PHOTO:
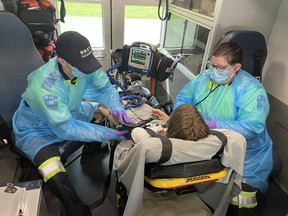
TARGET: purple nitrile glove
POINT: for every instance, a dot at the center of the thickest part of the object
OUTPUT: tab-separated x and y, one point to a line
211	124
122	116
121	133
128	128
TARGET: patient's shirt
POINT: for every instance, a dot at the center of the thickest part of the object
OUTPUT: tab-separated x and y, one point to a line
139	133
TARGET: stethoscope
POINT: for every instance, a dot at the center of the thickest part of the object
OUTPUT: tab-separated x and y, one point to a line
210	91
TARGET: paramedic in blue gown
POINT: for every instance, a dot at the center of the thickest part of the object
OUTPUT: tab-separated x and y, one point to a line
229	97
52	110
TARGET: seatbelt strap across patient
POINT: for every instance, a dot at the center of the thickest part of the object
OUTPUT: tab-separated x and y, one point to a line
223	140
166	146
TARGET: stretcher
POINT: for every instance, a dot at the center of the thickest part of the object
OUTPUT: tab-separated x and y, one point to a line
207	168
204	168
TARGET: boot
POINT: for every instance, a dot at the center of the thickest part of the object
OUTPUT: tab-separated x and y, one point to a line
63	189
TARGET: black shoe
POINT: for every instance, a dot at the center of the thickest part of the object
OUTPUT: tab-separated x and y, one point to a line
89	151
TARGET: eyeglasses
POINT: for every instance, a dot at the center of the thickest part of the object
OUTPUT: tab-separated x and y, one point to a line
210	65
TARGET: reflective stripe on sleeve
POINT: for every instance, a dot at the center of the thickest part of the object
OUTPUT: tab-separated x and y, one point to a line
245	200
51	167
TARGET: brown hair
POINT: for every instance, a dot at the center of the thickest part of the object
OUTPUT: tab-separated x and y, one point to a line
187	123
232	51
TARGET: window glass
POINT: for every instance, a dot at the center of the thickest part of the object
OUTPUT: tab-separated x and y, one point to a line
141	24
205	7
187	38
86	18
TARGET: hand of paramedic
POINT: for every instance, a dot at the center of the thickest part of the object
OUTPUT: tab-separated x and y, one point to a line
122	116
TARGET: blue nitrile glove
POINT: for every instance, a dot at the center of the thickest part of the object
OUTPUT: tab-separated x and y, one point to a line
211	124
122	116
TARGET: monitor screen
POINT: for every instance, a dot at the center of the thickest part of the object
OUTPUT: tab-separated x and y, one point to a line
140	59
139	56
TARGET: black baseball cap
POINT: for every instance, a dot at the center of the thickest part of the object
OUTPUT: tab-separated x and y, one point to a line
76	50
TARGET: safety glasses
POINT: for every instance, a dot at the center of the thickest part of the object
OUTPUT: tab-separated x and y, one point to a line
210	65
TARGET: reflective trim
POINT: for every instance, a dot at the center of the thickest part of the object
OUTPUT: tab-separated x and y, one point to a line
245	200
51	167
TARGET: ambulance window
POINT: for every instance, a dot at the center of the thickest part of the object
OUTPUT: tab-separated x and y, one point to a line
144	26
187	38
205	7
86	18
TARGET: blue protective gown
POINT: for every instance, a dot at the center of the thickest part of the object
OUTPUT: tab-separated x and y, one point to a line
56	111
242	106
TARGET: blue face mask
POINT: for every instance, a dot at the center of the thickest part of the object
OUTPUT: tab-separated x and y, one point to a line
219	77
77	73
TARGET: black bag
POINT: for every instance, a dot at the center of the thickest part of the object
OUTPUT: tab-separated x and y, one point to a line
160	65
40	18
37	17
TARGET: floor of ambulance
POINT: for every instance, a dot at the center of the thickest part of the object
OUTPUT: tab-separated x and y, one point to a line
89	181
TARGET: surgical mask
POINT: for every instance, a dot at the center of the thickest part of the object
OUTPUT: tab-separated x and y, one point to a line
77	73
219	77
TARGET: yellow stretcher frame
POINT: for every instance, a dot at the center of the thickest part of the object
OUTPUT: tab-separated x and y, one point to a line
174	183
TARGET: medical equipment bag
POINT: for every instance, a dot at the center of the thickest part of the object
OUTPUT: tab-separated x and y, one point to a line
40	18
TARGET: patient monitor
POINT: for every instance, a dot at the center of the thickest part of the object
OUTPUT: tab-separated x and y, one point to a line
140	59
144	58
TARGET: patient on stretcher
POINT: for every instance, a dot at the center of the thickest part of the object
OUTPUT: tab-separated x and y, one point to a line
185	123
191	141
